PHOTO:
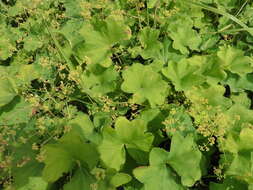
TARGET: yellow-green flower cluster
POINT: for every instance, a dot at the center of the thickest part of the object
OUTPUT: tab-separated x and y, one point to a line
211	121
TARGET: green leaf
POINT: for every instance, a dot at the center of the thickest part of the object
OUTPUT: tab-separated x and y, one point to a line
246	139
185	158
149	41
70	31
240	83
84	125
119	179
209	40
233	59
18	8
35	183
154	90
102	119
26	74
230	144
241	143
7	45
96	47
100	80
184	37
6	49
73	142
209	67
16	112
154	118
241	167
165	54
125	135
57	161
73	8
243	114
7	91
62	156
242	99
32	43
158	157
240	149
80	181
116	31
178	121
25	176
183	75
109	179
20	72
133	133
157	176
140	156
214	72
112	151
98	44
212	94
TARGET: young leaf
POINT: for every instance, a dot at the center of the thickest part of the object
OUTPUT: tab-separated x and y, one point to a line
112	151
210	67
32	42
119	179
234	60
133	133
86	129
157	176
7	91
183	75
149	40
155	89
185	158
109	179
101	81
184	37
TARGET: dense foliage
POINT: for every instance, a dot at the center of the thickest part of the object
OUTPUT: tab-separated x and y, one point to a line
126	94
